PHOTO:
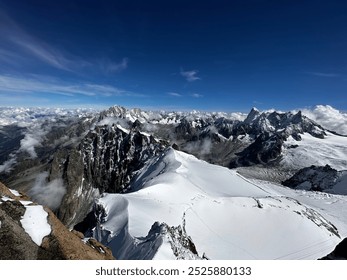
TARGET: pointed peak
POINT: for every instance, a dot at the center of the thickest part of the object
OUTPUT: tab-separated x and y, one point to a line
252	115
254	109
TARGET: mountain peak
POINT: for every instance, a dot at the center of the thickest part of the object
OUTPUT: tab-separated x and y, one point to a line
252	115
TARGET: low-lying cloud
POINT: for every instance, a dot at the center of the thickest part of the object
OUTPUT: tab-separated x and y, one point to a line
7	165
29	143
48	193
328	117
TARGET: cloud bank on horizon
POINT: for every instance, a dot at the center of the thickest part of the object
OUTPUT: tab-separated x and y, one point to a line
328	117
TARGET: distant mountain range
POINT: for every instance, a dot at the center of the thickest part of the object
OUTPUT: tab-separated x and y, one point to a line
154	174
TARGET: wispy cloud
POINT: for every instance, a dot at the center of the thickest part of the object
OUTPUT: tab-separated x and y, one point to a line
17	38
28	47
326	75
174	94
116	67
190	76
56	86
197	95
10	58
45	52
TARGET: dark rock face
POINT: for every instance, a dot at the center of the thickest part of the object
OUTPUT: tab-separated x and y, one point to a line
105	161
79	192
263	150
339	253
269	131
111	156
314	178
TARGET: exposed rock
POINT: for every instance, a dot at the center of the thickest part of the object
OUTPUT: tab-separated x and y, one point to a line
16	243
318	178
265	149
339	253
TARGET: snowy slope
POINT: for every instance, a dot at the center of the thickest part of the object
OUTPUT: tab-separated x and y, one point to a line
310	150
333	206
226	216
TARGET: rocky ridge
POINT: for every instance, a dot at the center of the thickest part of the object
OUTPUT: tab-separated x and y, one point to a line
60	243
318	178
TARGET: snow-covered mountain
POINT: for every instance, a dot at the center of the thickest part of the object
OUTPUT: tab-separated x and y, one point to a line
223	214
69	159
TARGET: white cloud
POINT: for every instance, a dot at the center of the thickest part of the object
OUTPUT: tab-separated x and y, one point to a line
18	38
49	85
48	193
190	76
174	94
28	144
43	52
328	117
19	45
7	165
196	95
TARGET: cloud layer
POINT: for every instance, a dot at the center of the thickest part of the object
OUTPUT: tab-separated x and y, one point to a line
18	45
328	117
42	84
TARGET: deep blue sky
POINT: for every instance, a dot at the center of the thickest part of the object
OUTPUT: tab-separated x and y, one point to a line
206	55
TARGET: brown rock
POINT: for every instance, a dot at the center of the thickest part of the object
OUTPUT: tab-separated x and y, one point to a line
61	243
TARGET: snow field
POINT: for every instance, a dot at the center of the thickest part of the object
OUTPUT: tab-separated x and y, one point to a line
226	216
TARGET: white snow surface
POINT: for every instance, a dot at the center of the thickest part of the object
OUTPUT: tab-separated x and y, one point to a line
35	223
227	216
331	150
334	207
14	192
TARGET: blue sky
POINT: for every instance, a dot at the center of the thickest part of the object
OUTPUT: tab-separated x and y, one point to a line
205	55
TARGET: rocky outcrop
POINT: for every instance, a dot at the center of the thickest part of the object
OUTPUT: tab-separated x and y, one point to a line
318	178
270	131
265	149
339	253
111	156
60	243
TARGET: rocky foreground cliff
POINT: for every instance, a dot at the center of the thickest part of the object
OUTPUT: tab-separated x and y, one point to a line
30	231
